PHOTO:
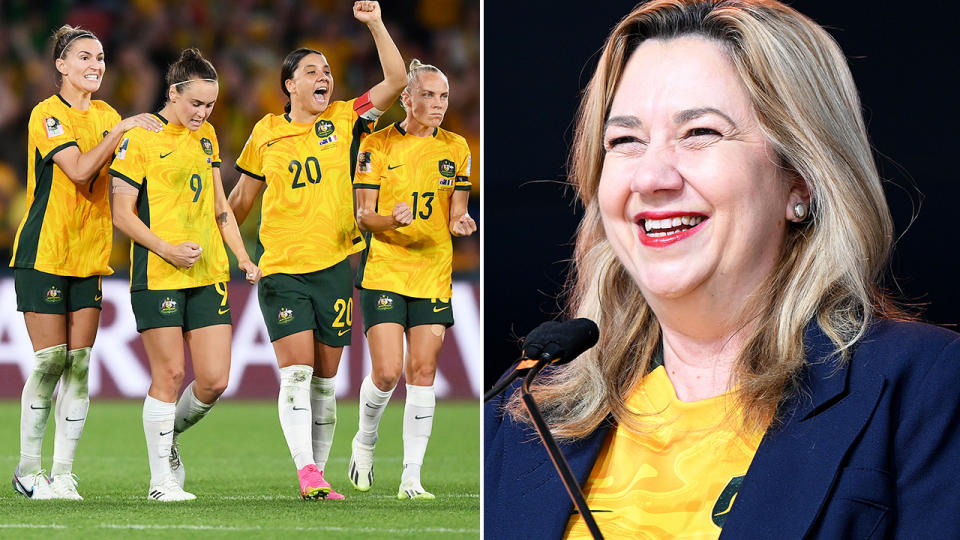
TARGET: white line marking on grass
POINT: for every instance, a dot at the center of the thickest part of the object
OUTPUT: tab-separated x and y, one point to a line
274	528
276	497
30	526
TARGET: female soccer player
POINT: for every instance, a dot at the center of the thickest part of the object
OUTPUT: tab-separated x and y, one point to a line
307	229
169	199
62	249
417	176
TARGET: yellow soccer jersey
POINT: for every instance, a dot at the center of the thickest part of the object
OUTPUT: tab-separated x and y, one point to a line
173	170
307	221
678	480
416	260
67	229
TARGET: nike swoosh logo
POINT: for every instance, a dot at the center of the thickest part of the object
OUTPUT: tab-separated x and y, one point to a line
68	419
342	332
222	311
38	408
23	488
271	143
97	298
373	406
392	167
435	310
324	423
301	409
165	155
163	434
422	417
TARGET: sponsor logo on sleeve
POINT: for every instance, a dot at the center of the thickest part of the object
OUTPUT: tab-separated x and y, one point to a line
364	162
54	127
122	151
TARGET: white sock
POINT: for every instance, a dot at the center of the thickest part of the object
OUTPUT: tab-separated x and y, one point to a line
73	401
323	404
417	425
295	417
372	403
158	418
35	404
190	410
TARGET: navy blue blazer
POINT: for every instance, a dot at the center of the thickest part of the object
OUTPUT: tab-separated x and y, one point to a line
868	450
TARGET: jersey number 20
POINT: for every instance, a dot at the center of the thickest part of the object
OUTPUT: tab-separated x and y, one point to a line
313	173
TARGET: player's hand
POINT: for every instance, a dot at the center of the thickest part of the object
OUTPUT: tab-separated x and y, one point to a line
251	271
144	120
183	255
402	216
366	12
465	226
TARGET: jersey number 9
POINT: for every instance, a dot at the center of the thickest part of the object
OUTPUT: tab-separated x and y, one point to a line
196	184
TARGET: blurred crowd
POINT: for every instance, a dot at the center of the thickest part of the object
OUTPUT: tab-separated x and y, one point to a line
246	40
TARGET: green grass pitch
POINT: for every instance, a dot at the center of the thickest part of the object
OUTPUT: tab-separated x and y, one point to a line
239	468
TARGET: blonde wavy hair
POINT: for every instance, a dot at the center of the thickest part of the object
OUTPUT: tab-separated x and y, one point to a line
829	267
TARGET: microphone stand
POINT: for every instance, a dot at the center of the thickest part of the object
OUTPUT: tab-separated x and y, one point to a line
559	462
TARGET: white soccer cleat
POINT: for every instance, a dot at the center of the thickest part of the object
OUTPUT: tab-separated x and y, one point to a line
168	490
34	486
176	465
361	465
65	486
413	490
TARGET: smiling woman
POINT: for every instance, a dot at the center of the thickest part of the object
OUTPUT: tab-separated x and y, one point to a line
751	378
61	252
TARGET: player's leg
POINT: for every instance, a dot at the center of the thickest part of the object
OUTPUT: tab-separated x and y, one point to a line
331	292
424	348
323	405
384	316
73	400
160	316
40	298
164	348
288	314
207	331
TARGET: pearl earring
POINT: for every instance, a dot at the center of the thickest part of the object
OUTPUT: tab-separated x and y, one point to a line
800	211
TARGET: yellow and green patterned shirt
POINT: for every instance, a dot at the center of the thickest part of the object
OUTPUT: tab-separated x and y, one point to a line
307	220
173	170
415	260
67	229
680	478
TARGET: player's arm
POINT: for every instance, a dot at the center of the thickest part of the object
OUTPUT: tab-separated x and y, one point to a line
229	230
243	194
370	221
81	167
384	93
461	224
125	219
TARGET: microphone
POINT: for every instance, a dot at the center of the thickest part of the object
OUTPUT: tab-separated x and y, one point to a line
552	342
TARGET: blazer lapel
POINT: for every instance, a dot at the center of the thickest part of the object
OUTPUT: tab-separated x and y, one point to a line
796	464
543	501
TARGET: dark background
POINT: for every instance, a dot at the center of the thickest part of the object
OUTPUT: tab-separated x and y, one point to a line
539	57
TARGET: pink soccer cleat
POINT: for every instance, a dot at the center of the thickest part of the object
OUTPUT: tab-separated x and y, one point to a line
312	484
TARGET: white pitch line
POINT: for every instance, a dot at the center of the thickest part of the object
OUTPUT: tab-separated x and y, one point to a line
29	526
274	497
330	529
